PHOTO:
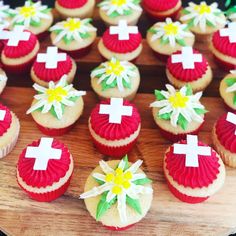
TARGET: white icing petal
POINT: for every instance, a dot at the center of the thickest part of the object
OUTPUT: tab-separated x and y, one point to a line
96	191
135	166
105	167
99	176
121	205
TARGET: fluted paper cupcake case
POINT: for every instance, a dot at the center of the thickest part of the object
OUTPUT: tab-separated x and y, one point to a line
76	54
117	228
224	65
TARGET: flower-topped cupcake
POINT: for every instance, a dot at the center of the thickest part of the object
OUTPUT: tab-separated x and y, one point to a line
118	193
57	108
112	11
71	8
115	78
123	42
5	11
178	112
188	66
203	19
34	16
231	13
167	37
51	66
74	36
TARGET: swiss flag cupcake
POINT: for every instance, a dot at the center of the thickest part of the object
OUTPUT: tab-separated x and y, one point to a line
193	170
122	42
114	126
44	169
51	66
20	50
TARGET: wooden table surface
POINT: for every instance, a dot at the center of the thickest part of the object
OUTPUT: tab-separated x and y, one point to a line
22	216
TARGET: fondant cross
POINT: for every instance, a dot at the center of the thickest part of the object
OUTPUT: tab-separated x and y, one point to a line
191	150
2	115
123	30
43	153
231	117
187	58
15	36
51	58
115	110
229	32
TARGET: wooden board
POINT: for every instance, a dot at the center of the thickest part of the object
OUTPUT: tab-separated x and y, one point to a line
20	215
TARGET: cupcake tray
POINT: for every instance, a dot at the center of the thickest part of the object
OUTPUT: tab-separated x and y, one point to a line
20	215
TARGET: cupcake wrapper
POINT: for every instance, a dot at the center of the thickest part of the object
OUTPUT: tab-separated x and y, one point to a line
185	198
76	54
117	228
228	108
1	46
161	57
42	35
132	61
224	65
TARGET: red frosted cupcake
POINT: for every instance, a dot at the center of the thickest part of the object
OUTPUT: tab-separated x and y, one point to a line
188	67
161	9
19	51
51	66
123	42
223	46
193	170
114	125
44	169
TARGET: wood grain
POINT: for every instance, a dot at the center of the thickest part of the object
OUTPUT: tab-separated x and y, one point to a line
20	215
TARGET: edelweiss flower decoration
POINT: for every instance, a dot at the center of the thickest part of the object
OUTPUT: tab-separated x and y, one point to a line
30	14
55	98
180	107
72	29
114	73
170	32
122	185
202	15
116	8
4	10
231	83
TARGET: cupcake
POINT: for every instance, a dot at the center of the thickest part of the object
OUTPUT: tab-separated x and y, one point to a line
193	170
56	109
114	126
202	19
5	11
36	17
118	194
51	66
188	66
167	37
228	90
19	51
223	47
71	8
3	80
122	41
44	169
115	78
112	11
223	136
161	9
178	112
74	36
3	25
9	130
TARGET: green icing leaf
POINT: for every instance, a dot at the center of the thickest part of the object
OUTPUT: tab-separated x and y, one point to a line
134	203
181	42
142	181
210	24
35	24
67	41
191	23
127	12
46	10
234	99
159	95
227	3
200	111
185	11
125	159
230	81
99	181
165	116
189	90
136	2
152	30
164	41
57	31
231	11
114	14
85	35
182	122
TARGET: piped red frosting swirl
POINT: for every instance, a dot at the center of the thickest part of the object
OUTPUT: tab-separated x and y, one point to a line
160	5
72	3
187	75
56	169
223	45
63	68
101	126
23	48
112	42
193	177
225	132
6	122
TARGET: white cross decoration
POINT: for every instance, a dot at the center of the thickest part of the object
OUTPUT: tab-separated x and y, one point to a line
229	32
51	58
187	58
43	153
191	150
231	117
15	36
2	115
116	110
123	30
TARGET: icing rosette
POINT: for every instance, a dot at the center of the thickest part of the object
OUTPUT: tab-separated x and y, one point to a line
161	5
71	4
5	119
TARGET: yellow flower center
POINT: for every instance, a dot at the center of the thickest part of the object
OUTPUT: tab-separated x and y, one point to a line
27	11
114	68
202	9
118	3
171	29
56	94
178	100
72	25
